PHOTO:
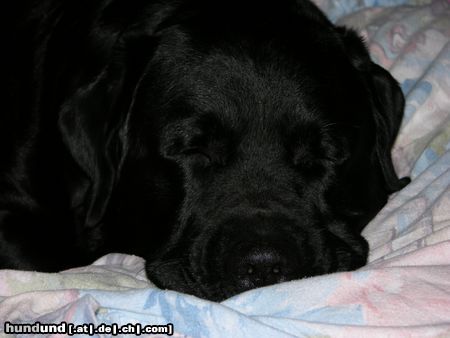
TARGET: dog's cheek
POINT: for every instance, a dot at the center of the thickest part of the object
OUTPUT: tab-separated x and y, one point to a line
168	276
351	255
338	250
357	196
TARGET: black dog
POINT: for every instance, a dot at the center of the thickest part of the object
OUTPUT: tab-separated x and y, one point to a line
233	144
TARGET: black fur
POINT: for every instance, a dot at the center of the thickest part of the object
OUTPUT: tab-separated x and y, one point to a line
232	144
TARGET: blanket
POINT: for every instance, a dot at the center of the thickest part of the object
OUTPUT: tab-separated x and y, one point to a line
404	291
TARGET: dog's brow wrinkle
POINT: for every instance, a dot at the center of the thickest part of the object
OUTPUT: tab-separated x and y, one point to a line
328	125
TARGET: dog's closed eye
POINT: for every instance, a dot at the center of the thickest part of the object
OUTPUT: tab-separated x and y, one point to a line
199	154
192	141
311	149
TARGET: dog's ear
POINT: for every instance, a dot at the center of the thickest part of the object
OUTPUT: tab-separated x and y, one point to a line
388	110
93	122
388	105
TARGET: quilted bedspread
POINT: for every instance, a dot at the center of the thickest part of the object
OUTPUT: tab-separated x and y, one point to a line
403	292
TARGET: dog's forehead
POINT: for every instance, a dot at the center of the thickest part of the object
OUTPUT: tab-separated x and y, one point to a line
271	89
269	80
239	85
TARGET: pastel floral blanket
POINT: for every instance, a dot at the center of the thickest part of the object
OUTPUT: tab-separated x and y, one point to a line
403	292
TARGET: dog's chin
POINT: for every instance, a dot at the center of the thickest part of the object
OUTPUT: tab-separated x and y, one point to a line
177	276
209	279
215	285
179	279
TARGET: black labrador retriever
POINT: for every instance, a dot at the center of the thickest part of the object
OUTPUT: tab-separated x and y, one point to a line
231	143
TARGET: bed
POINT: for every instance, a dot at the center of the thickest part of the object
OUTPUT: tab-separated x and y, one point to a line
404	291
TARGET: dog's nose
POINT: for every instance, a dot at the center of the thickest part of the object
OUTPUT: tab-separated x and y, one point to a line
257	266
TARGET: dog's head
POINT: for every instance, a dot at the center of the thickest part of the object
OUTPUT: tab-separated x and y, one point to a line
252	144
